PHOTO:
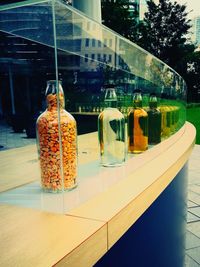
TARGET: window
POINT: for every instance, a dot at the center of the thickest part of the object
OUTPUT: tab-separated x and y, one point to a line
86	57
99	43
105	42
99	57
93	42
110	42
93	56
104	57
87	41
76	61
110	58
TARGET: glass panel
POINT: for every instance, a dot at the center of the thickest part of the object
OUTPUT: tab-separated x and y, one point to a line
48	40
90	60
27	58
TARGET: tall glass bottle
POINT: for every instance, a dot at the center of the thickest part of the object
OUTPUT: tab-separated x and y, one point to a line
111	132
154	121
57	150
137	126
166	121
172	114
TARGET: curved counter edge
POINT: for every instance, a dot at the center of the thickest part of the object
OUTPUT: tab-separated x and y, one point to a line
85	234
124	203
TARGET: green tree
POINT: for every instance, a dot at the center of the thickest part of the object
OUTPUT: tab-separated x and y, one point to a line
164	31
163	34
192	76
116	16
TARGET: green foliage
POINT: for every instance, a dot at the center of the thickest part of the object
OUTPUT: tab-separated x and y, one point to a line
162	33
193	76
116	16
165	29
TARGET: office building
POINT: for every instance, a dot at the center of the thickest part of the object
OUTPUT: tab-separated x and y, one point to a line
196	30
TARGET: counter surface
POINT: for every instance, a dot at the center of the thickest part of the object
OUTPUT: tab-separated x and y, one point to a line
84	233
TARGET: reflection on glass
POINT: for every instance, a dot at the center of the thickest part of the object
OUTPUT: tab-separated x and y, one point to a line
50	156
88	56
111	131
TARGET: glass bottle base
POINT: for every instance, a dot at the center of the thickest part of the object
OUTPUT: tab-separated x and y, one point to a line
112	164
55	191
137	151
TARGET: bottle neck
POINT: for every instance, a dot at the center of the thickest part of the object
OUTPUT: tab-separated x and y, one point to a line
137	100
137	104
111	104
53	100
153	103
52	103
110	98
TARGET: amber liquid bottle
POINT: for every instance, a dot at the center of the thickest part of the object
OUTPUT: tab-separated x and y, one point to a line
166	121
137	126
154	121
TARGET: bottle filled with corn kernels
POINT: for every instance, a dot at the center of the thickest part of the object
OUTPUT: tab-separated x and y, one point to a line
154	121
57	151
137	126
111	132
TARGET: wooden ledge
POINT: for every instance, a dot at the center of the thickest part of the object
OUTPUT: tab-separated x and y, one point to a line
34	238
122	204
84	234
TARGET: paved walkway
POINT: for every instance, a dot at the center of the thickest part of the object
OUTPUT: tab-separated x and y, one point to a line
193	220
9	140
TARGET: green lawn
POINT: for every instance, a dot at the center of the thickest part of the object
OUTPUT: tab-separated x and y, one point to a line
193	116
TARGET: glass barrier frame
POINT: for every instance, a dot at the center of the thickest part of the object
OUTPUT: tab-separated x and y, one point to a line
88	57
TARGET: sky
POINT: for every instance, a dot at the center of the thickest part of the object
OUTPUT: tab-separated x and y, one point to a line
191	5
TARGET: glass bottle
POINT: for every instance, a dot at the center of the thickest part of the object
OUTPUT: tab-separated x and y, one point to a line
111	132
166	121
57	175
176	110
172	114
154	121
137	126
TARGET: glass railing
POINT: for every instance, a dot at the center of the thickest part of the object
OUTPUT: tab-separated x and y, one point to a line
48	40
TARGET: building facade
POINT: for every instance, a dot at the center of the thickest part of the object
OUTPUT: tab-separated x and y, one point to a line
196	30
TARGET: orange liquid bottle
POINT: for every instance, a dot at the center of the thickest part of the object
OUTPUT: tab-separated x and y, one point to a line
137	126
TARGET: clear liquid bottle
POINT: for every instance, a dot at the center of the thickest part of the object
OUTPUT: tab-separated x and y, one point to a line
154	121
137	126
111	132
58	166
